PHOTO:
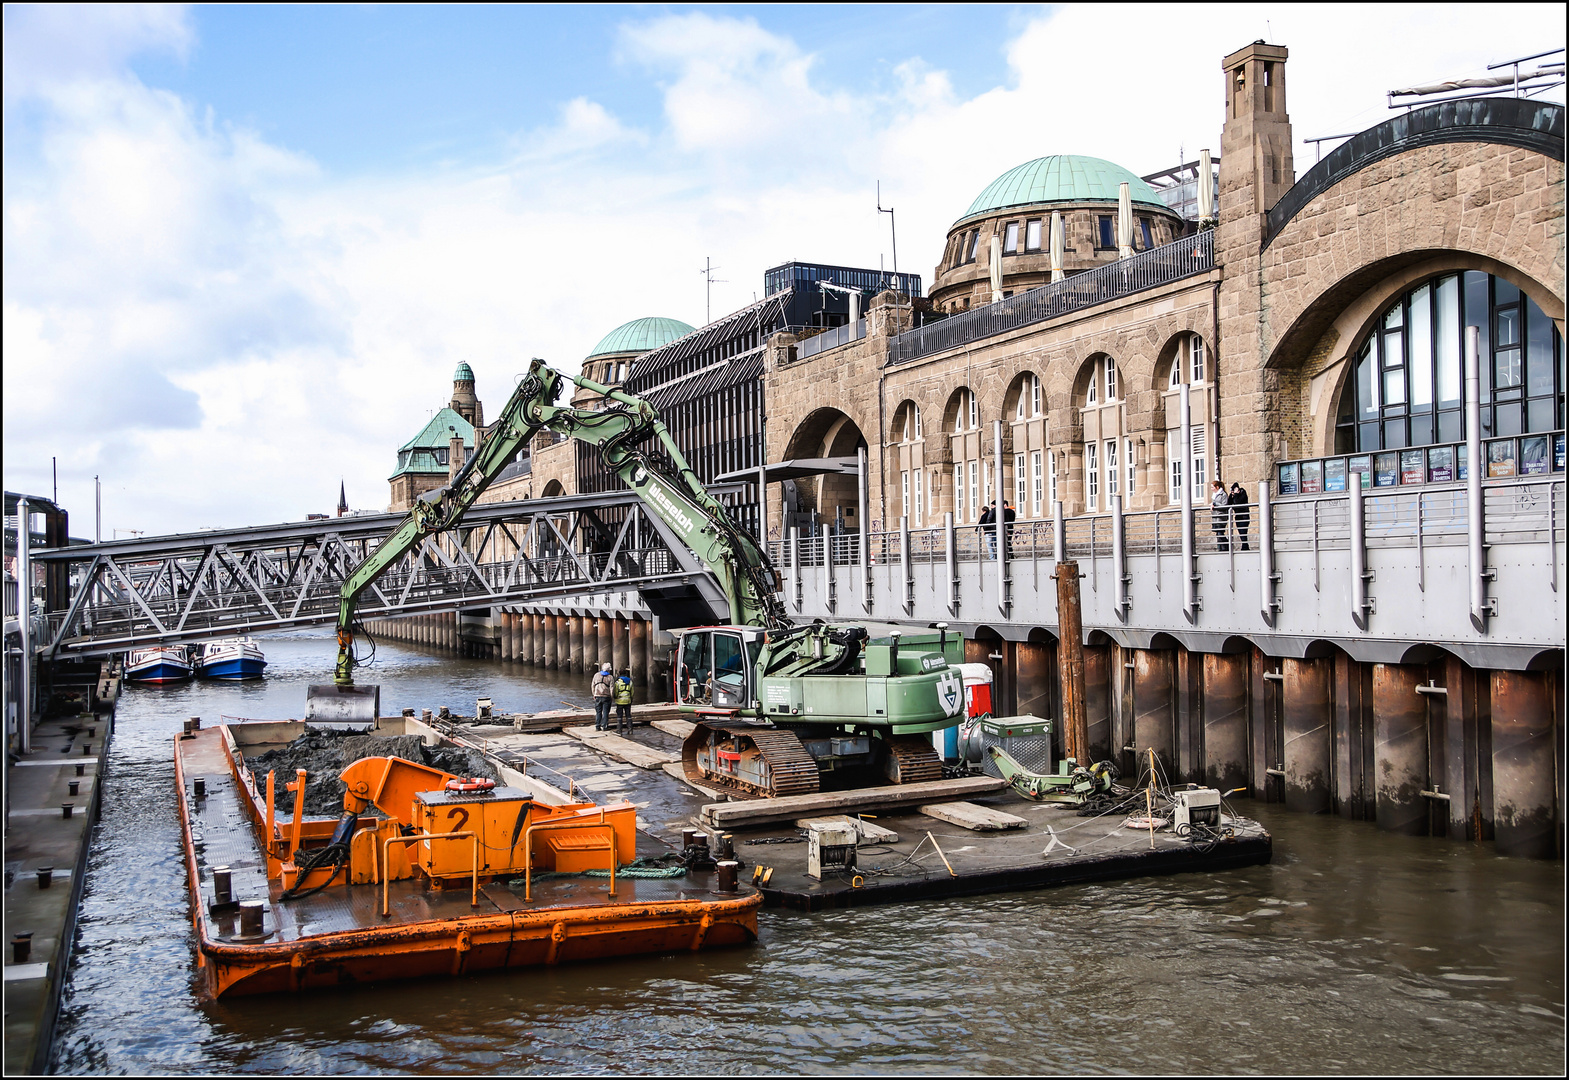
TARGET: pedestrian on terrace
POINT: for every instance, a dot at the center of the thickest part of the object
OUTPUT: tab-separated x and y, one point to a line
1240	514
1221	516
623	699
601	688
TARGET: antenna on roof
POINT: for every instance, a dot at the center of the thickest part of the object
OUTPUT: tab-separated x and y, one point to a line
708	275
892	230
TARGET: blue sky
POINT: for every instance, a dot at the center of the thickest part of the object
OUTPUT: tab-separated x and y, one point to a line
245	247
371	87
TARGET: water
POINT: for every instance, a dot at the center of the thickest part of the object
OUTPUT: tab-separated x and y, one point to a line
1353	952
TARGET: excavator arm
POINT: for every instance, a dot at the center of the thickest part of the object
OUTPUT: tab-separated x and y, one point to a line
695	517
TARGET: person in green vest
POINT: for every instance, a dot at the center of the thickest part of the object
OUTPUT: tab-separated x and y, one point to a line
622	695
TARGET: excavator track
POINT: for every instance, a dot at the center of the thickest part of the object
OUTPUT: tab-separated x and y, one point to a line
748	762
912	760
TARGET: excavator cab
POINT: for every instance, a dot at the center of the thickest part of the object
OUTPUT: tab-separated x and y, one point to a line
716	664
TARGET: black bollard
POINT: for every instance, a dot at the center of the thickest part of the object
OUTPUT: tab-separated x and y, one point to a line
726	846
81	770
201	787
222	885
250	917
74	786
21	947
45	876
727	875
65	810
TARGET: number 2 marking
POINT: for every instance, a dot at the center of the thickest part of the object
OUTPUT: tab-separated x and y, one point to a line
462	816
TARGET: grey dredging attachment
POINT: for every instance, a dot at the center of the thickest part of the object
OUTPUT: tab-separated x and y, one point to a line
347	707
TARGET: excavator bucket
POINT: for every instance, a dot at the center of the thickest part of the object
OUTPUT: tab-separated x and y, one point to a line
352	707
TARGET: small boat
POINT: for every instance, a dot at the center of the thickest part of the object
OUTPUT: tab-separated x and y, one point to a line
231	658
424	875
159	664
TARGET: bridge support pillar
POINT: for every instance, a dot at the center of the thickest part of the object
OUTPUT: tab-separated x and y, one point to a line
1225	720
1400	748
1035	664
509	637
1097	701
1305	710
637	638
525	638
576	626
607	643
552	641
1188	683
1152	719
1524	764
618	645
1353	739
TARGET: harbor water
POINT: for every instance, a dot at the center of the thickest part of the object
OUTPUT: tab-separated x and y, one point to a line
1354	951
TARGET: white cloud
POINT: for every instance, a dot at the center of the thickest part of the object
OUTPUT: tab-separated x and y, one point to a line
223	329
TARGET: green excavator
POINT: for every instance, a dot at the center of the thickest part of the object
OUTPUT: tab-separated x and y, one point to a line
776	707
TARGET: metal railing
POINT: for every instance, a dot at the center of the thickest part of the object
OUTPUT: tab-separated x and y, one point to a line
831	339
1146	270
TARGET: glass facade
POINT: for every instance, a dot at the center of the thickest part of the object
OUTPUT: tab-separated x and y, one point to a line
1406	387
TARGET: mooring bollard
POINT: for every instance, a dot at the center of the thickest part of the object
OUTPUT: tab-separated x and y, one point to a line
196	723
45	876
201	787
727	875
74	786
81	770
186	728
688	838
87	748
222	885
727	846
65	810
250	917
21	947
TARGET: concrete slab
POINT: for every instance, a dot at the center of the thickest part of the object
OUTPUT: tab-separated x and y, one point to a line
37	835
621	749
968	815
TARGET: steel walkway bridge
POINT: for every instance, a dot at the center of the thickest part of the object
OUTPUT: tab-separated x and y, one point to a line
221	582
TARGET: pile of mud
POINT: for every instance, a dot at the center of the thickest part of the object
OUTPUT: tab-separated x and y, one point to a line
325	754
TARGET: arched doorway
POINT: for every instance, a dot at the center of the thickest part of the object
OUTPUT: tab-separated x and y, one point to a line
830	499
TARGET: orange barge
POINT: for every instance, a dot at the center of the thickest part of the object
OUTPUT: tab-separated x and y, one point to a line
441	882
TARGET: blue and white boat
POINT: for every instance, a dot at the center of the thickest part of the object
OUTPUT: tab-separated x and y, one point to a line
231	658
158	664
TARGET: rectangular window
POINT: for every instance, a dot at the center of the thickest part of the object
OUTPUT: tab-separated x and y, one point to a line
1174	457
1032	235
904	478
917	411
975	412
1106	240
958	491
975	243
920	507
1127	446
1037	483
1093	395
1091	477
1196	348
1020	482
1111	379
975	490
1112	476
1010	239
1421	350
1035	395
1051	475
1144	227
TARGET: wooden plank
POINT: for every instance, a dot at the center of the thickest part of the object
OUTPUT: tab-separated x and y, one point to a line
870	832
644	757
674	769
679	728
757	812
969	815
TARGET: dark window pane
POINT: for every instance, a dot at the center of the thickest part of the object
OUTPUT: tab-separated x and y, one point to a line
1506	419
1506	369
1345	439
1144	225
1540	414
1507	326
1476	314
1394	434
1367	437
1421	429
1503	292
1106	240
1451	426
1540	356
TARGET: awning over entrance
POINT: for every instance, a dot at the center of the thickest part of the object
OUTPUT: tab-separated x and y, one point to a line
793	470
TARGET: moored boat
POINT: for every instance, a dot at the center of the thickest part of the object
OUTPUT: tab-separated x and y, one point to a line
158	664
424	875
231	658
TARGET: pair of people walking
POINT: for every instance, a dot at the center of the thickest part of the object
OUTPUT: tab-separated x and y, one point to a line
607	691
989	520
1228	508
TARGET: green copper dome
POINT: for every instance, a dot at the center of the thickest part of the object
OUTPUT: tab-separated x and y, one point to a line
1060	178
464	372
640	336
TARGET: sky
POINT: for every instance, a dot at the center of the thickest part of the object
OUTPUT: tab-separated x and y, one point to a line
245	247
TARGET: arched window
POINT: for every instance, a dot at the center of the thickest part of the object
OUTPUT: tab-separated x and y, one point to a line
1190	365
1406	386
1029	403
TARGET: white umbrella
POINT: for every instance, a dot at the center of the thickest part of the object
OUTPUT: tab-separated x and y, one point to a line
1056	246
996	268
1124	222
1206	188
